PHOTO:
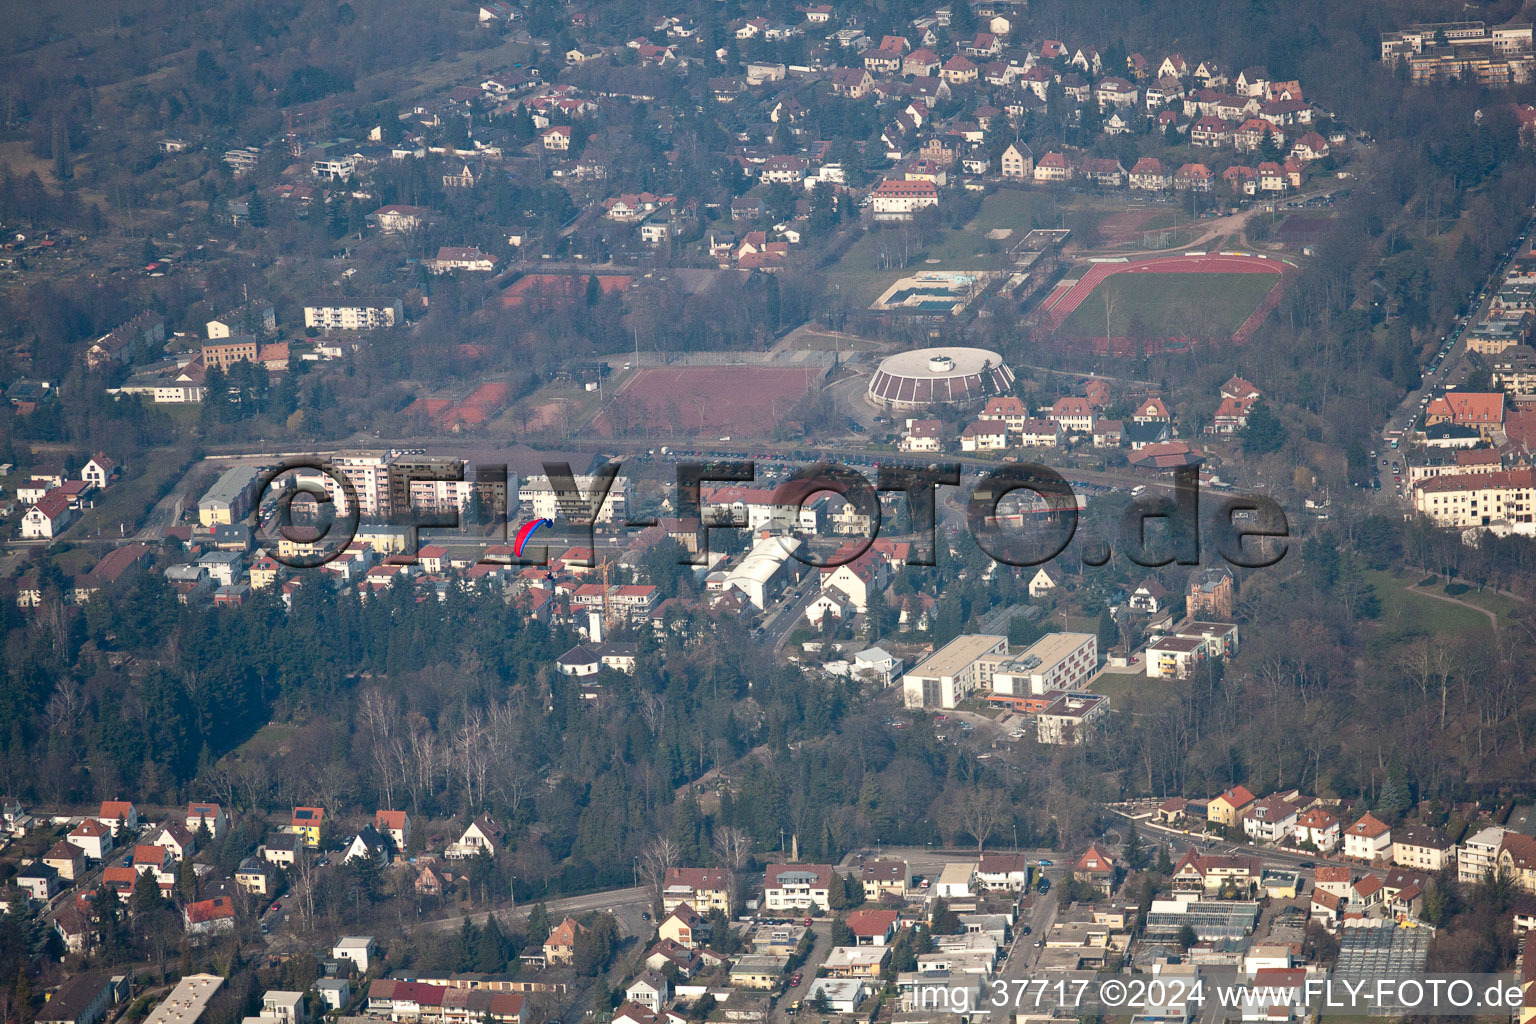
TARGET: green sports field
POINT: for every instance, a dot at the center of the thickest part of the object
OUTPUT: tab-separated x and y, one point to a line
1169	305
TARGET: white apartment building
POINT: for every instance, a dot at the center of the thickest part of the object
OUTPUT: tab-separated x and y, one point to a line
797	887
353	314
1462	501
1478	855
897	200
1420	847
368	472
953	672
1057	661
1072	718
546	503
338	169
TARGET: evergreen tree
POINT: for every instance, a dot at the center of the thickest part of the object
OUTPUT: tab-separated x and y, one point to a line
257	205
468	952
145	899
1109	632
1264	433
1164	864
538	925
21	997
492	954
943	921
1135	853
110	934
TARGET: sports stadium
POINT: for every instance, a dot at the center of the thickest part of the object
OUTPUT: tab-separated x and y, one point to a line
925	377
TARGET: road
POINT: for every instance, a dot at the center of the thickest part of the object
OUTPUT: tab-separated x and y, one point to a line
789	610
1448	368
613	899
1181	841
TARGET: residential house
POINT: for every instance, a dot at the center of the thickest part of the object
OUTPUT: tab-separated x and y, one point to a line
1369	839
92	837
1211	873
306	823
1017	163
211	816
872	927
1421	847
797	886
281	848
1095	868
1073	414
1149	597
481	835
984	436
204	918
650	990
923	436
1211	594
1227	807
703	889
67	859
684	926
1052	168
1270	820
1009	871
394	824
560	947
51	516
118	815
1148	175
99	471
1193	178
885	878
361	950
1045	580
1319	828
369	844
254	877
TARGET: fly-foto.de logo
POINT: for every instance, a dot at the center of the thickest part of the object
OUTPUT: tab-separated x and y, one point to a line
1037	524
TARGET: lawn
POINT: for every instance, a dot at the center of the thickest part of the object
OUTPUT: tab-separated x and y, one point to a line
123	505
1497	603
871	264
1407	611
1169	305
1125	690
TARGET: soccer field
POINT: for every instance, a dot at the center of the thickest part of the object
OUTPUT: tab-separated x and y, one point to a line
1168	305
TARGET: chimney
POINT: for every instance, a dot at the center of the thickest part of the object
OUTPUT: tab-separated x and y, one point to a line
595	627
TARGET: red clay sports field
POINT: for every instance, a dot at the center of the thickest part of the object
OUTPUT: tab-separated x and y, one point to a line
701	400
1064	300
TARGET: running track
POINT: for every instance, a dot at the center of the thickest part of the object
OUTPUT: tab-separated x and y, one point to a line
1068	299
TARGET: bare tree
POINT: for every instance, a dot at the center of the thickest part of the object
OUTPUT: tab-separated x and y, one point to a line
304	878
732	847
979	813
655	861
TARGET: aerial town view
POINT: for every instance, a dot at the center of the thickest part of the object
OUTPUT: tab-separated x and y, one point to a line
767	512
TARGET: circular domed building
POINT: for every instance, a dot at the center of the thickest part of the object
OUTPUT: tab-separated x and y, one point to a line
938	376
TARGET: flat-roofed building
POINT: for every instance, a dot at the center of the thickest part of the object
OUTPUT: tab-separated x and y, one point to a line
228	500
187	1001
353	314
952	673
1072	718
1174	657
1057	661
